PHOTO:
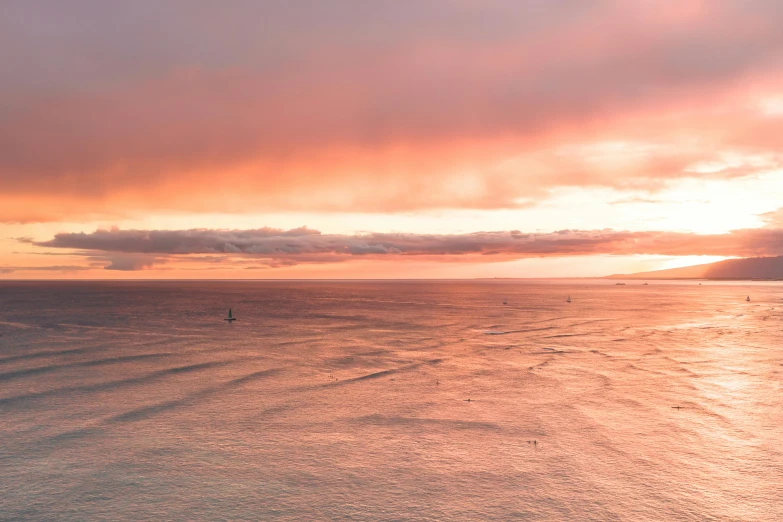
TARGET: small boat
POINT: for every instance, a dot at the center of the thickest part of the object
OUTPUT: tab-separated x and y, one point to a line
644	284
747	299
505	301
620	284
569	299
230	316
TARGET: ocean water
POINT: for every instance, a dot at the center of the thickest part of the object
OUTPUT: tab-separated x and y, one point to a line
348	401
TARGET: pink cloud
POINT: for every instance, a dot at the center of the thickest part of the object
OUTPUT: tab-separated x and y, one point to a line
402	106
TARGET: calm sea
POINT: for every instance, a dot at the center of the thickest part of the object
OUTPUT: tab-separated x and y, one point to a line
349	401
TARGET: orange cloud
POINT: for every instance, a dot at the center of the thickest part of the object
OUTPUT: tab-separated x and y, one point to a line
408	105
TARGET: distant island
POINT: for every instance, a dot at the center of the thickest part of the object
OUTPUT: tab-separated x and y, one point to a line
766	268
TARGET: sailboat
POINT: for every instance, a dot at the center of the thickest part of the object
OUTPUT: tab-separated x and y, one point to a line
747	299
569	299
230	317
505	301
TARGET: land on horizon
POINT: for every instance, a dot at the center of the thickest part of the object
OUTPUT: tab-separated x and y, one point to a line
755	268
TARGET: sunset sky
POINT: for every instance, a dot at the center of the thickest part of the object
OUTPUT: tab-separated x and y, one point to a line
387	139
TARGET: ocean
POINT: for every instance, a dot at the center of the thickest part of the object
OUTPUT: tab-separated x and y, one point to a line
403	400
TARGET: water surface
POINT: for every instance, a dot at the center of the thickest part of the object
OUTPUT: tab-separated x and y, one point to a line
348	401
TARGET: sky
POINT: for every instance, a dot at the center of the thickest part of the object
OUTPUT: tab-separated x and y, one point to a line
385	139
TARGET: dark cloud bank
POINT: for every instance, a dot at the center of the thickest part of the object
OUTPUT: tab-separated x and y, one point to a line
138	249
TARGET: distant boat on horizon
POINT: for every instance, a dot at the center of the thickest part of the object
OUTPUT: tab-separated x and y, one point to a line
747	299
230	316
505	301
620	284
569	299
644	283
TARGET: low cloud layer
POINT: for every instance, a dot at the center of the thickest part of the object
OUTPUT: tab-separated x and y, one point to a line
267	247
50	268
384	106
